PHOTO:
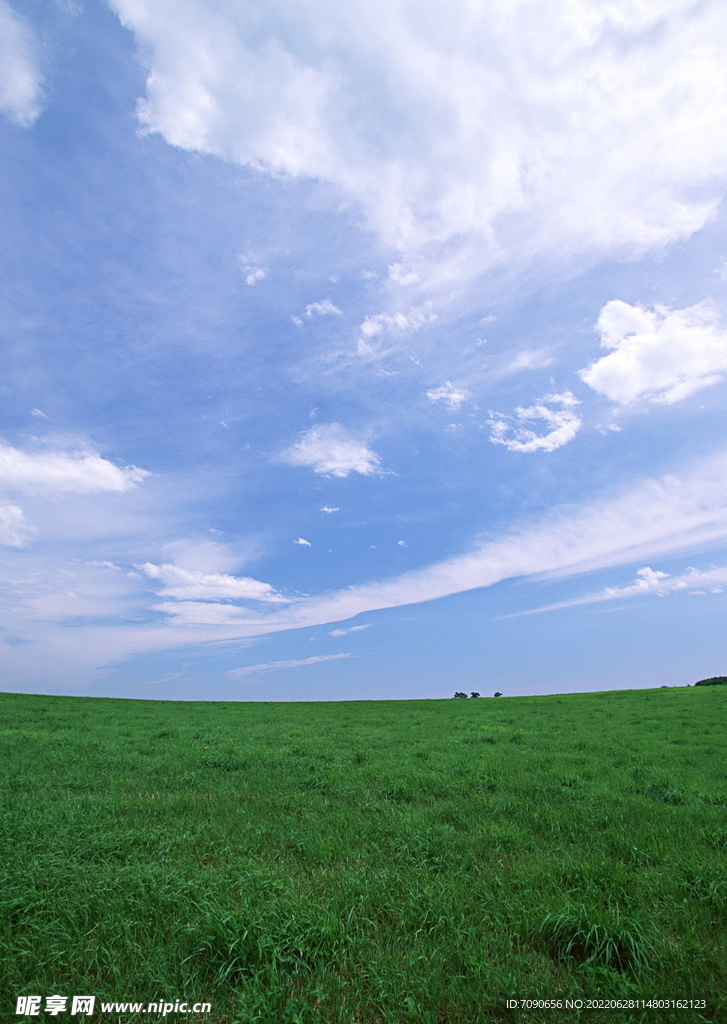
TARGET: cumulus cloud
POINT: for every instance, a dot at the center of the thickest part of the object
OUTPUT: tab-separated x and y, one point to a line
449	395
21	91
14	531
51	472
324	308
250	670
330	451
575	126
303	542
193	584
660	355
564	424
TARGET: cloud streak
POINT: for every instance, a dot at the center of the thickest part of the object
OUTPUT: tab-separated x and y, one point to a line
648	520
21	84
251	670
193	584
648	582
653	518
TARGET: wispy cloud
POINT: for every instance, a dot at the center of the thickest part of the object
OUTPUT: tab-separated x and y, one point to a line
253	275
660	355
303	542
649	520
528	359
21	84
251	670
563	421
14	531
195	585
329	450
654	518
376	326
351	629
648	581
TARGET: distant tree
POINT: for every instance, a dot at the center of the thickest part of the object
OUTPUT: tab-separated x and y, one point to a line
474	694
498	695
713	681
458	694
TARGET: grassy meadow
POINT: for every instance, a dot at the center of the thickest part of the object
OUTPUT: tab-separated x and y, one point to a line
417	862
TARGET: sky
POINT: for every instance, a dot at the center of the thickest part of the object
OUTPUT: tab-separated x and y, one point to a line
363	351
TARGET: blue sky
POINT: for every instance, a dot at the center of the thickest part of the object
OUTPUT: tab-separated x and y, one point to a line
362	351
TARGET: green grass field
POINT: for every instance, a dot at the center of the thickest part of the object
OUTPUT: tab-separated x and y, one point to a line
418	862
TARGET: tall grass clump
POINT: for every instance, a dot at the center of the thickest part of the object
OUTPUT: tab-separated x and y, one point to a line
593	935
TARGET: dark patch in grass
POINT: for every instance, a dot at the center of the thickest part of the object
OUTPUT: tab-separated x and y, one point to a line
667	793
230	764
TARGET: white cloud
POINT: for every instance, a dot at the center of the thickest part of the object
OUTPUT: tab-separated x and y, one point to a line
50	472
656	517
379	324
563	422
400	273
198	615
648	581
39	414
330	451
576	126
451	396
660	355
21	91
303	542
324	308
252	274
193	584
351	629
205	555
14	531
250	670
329	510
649	520
529	359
